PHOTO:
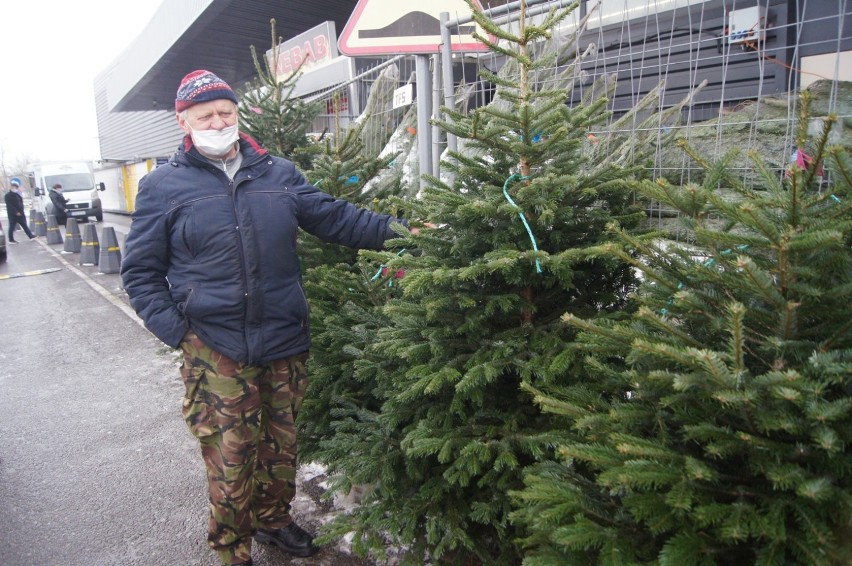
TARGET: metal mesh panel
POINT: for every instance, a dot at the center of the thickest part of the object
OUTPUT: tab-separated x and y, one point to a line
671	69
676	69
367	95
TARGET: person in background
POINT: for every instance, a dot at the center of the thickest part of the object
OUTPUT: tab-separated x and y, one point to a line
211	267
15	210
60	204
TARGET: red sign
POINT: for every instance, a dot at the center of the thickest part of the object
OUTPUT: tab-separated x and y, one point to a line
304	51
337	105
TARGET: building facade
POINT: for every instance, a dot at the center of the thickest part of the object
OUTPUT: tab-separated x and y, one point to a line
740	49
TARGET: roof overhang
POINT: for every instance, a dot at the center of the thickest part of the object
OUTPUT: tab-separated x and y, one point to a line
217	35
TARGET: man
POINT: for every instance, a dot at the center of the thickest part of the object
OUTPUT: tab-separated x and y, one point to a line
211	267
60	204
15	210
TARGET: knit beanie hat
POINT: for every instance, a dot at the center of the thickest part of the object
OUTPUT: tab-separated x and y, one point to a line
202	86
15	182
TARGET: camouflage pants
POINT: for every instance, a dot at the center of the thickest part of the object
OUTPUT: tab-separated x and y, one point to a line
244	418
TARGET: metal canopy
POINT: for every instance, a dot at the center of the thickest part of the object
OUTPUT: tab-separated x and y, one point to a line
220	39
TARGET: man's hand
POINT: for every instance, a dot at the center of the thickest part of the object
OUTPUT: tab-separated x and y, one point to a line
415	230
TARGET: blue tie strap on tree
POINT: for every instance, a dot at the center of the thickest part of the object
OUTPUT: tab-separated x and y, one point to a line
534	139
740	248
383	269
352	180
665	311
521	214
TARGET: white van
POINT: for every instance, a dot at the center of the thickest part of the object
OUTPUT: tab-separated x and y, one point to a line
78	187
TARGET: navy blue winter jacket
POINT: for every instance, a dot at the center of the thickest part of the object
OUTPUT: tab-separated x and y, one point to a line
219	256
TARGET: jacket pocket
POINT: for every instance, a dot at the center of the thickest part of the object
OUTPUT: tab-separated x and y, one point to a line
184	236
183	306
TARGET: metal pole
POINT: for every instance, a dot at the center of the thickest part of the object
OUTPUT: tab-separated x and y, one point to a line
437	146
354	95
424	111
447	70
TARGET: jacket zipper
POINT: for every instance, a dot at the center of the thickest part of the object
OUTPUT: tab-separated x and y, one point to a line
233	186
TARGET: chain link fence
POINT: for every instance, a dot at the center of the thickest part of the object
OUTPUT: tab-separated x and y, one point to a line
716	74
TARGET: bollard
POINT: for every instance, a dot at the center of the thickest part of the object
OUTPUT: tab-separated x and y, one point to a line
73	241
53	234
90	248
32	217
110	260
39	225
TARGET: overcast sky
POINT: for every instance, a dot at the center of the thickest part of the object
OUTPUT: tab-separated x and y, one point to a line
51	51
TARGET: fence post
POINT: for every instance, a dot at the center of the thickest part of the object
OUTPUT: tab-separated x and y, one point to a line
424	111
447	70
437	146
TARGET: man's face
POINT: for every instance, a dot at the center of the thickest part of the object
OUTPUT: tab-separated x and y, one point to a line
212	115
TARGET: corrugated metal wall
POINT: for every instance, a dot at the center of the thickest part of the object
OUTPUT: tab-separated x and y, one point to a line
131	136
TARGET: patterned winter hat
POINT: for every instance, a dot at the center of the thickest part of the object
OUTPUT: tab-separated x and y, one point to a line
202	86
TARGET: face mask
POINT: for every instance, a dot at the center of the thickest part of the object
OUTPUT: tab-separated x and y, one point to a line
215	143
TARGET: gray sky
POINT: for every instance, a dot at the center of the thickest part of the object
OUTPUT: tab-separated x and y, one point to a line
51	51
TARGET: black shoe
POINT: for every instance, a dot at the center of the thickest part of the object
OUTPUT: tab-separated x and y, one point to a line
291	539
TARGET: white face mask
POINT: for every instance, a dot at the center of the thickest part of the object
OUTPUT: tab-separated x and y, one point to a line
215	143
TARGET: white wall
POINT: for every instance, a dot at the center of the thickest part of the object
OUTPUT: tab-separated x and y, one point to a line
113	197
836	66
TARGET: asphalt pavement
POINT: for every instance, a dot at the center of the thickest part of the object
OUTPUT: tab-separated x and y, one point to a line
96	464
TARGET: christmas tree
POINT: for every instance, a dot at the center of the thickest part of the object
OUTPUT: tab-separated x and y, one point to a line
342	169
271	115
716	429
343	295
476	312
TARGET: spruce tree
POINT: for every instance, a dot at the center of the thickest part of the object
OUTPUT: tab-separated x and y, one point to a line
342	169
342	294
477	313
272	115
717	426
